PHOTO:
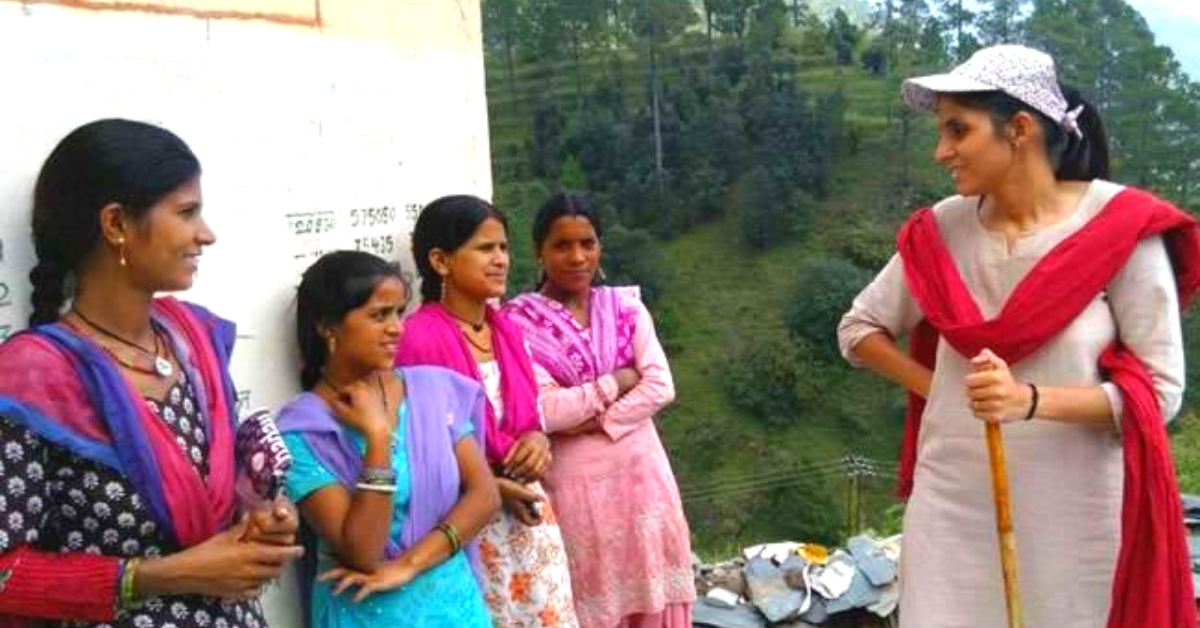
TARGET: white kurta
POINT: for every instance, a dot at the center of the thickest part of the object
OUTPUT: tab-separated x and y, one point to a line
1065	481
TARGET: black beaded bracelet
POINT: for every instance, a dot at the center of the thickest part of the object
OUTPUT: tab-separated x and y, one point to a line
1034	402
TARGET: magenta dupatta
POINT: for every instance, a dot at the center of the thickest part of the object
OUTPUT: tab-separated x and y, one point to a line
433	338
558	341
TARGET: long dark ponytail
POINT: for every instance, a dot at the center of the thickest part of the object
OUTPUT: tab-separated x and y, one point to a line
1073	158
1083	158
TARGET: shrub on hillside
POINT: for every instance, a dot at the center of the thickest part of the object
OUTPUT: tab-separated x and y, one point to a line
631	257
1191	352
762	206
825	288
864	243
761	380
519	200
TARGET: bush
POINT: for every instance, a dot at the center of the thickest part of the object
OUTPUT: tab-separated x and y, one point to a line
519	201
1191	352
631	257
546	145
864	243
1185	449
762	205
825	288
761	380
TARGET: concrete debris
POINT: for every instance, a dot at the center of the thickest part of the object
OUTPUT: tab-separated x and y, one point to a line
722	598
769	591
802	585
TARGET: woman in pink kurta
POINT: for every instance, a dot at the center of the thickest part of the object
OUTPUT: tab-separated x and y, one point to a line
602	376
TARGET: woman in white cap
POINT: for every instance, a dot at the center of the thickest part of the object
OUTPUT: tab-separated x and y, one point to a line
1046	298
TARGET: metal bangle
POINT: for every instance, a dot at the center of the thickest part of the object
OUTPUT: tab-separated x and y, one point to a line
377	475
376	488
451	536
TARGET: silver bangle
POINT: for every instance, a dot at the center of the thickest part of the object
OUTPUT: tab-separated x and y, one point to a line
377	475
376	488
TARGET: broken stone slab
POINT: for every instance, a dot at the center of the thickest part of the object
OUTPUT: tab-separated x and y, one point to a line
834	591
872	560
889	599
740	616
722	598
776	552
727	576
769	591
834	580
794	572
796	623
861	594
817	611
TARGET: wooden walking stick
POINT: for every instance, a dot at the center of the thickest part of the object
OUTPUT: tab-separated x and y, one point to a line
1004	526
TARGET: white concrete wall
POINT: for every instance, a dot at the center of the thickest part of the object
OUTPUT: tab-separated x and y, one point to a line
319	125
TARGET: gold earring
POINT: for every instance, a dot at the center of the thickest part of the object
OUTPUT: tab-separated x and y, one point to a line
445	285
600	273
121	251
332	345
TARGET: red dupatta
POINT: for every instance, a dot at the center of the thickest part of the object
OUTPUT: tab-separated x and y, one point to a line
1152	587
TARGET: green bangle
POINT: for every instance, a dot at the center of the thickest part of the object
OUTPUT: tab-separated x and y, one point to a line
451	536
126	598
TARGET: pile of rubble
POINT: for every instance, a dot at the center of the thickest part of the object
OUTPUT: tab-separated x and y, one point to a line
802	585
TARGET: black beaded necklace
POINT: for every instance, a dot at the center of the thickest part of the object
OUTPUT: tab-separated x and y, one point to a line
162	366
477	327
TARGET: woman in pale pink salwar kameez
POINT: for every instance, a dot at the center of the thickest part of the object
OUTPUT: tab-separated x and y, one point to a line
602	376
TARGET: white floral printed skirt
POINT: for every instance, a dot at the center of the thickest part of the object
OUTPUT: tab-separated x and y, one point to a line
528	583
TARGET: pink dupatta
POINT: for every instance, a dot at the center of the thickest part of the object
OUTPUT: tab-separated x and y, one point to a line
433	338
559	344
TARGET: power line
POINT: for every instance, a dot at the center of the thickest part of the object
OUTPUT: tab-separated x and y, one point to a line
857	469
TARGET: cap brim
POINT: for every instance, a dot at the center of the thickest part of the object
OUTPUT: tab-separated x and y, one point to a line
921	92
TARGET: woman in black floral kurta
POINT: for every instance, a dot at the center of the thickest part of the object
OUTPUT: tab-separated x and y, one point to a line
56	501
116	417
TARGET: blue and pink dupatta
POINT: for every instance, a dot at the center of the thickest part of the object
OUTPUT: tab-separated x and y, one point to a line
62	386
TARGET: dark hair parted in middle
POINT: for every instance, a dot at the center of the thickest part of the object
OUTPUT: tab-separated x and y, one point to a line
447	224
331	288
1073	158
560	205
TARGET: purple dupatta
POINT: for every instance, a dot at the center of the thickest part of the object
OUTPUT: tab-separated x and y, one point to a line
439	402
559	344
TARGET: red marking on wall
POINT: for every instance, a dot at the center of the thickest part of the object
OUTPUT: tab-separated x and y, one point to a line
312	20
